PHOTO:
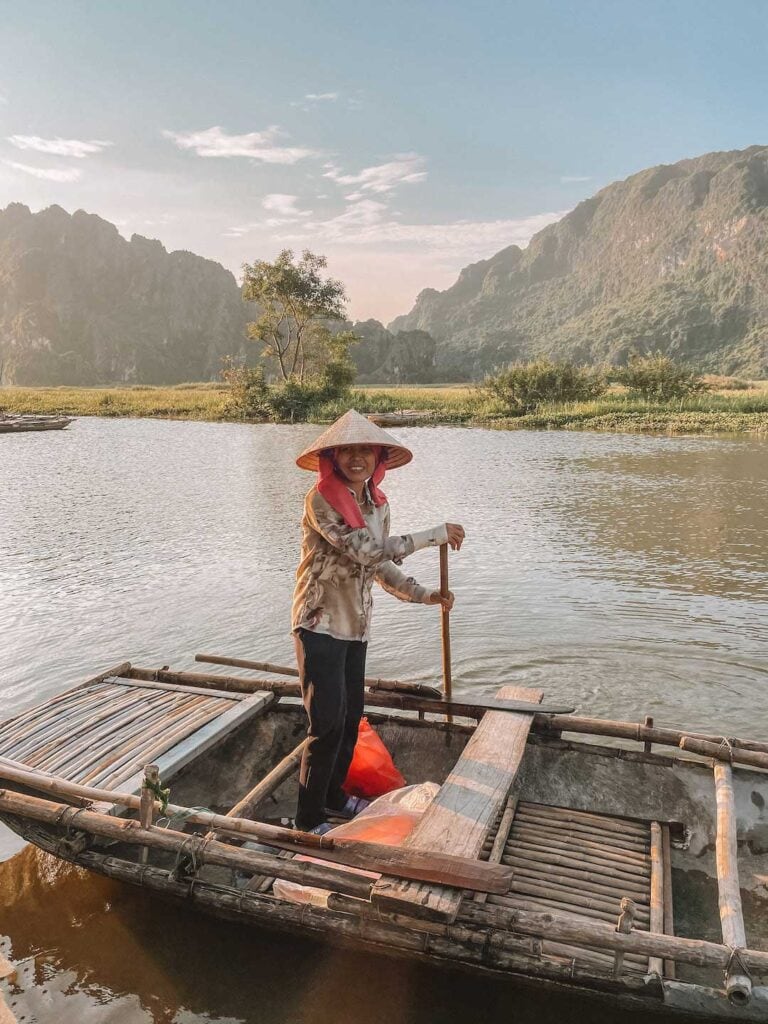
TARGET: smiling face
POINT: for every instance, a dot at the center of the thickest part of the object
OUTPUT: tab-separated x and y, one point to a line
356	463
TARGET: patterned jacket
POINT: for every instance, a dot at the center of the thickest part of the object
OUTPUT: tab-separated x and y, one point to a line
339	564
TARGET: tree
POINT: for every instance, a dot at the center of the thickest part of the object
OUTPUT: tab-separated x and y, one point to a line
295	304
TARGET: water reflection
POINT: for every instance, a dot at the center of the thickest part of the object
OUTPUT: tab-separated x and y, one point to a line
624	574
91	951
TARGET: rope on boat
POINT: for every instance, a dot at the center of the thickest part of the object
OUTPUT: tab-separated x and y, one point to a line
725	750
180	817
66	817
737	960
190	856
161	794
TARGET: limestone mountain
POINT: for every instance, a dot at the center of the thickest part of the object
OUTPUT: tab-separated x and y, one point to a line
81	305
381	357
673	258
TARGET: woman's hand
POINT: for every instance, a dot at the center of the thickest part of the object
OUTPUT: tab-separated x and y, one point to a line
437	598
455	535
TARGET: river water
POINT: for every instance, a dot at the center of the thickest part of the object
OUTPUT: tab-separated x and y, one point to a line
625	574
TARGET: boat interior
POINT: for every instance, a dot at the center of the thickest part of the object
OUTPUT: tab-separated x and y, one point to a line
583	824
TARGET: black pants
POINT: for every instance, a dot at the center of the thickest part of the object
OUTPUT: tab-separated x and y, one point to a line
332	683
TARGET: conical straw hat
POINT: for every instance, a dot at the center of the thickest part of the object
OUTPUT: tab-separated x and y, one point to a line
352	428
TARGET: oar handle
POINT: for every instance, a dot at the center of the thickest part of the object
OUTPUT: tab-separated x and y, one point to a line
445	616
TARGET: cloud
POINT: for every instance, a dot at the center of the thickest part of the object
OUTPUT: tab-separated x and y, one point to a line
47	173
59	147
285	208
311	99
368	222
261	146
279	202
567	179
404	169
3	99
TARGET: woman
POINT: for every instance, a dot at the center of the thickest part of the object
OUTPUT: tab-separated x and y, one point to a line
345	547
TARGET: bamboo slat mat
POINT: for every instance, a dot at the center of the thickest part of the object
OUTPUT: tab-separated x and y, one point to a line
102	734
579	865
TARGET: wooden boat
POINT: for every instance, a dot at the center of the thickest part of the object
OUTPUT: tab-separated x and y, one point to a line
12	424
548	859
404	418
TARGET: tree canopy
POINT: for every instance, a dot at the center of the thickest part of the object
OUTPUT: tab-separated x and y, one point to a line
295	305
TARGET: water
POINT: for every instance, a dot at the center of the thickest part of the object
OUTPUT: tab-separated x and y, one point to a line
624	574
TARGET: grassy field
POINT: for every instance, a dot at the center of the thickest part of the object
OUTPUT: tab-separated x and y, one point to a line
722	410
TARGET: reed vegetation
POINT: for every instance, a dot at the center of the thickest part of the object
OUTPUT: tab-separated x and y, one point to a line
724	410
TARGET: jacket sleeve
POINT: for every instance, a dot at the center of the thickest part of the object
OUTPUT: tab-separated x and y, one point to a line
403	587
359	544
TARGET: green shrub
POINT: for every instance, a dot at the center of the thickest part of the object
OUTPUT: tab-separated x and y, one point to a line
658	378
248	396
289	401
522	387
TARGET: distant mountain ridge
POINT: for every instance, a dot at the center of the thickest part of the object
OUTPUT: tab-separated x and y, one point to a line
673	258
81	305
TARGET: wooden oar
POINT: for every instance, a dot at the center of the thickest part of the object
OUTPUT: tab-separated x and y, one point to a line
446	626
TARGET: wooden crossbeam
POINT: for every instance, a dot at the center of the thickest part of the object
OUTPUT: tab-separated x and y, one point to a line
466	807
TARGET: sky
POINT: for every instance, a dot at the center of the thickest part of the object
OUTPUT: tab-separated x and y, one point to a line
402	140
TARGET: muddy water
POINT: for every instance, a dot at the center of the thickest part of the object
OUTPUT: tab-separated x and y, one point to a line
625	574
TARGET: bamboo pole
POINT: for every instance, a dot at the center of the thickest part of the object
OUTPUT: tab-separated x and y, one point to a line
624	826
724	751
547	925
568	895
543	855
738	984
622	841
283	770
446	626
147	803
648	723
655	964
627	862
669	922
499	841
580	840
130	831
623	927
574	877
642	733
543	903
211	681
286	688
44	741
397	685
401	862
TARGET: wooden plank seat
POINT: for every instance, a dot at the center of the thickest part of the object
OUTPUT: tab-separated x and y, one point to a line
102	734
466	808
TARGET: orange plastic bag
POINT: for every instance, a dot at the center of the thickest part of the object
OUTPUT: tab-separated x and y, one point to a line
372	771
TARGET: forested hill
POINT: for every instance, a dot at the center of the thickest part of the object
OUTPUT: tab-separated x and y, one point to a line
81	305
674	258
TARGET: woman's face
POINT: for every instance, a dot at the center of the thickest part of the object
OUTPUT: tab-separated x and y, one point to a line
356	462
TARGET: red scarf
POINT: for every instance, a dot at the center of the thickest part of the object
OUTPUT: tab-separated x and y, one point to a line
336	491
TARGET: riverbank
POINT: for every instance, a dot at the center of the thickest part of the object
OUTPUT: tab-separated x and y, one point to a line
717	411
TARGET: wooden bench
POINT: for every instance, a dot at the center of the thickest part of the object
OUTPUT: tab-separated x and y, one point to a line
466	808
